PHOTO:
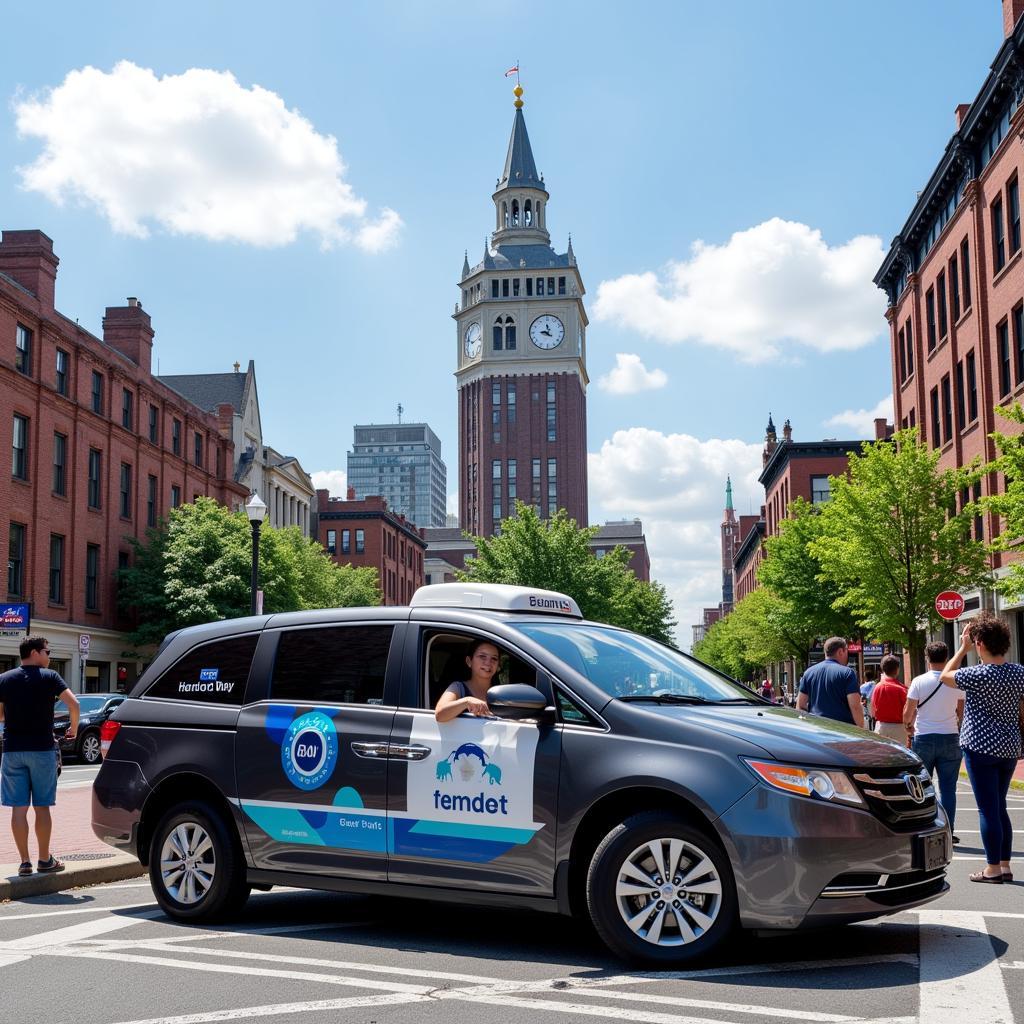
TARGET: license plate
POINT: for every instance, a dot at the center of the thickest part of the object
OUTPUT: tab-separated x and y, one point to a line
932	851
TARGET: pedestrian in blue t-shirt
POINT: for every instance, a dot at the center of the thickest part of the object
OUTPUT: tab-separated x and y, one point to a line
830	689
28	773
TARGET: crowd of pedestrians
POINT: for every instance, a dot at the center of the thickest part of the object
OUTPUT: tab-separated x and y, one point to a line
947	714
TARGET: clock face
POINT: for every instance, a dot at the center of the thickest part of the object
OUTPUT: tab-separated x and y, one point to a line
473	340
547	331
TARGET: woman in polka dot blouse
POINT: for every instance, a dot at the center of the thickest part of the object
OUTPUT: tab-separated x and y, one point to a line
990	734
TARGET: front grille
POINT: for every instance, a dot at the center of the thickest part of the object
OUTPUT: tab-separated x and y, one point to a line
889	794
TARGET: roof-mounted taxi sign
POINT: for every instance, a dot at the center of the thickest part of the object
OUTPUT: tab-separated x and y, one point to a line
498	597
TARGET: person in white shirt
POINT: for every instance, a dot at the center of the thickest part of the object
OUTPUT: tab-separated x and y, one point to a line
935	711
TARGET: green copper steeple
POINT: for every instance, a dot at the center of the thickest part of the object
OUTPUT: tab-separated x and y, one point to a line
728	493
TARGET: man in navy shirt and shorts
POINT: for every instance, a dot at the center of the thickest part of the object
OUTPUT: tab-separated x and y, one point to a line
830	688
28	772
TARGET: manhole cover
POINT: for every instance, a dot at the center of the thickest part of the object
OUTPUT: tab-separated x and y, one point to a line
86	856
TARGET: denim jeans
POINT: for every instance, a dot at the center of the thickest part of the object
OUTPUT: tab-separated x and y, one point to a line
990	779
940	753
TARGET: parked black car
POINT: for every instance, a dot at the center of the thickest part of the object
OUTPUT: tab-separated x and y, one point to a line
96	709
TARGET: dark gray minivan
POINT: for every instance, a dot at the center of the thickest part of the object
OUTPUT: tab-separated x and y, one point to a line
618	779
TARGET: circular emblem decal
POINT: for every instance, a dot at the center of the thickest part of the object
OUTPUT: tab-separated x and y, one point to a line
309	750
915	788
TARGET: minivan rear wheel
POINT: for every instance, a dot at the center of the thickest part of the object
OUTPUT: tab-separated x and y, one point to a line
660	891
195	867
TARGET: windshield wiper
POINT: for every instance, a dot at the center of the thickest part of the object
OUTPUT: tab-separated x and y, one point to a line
668	698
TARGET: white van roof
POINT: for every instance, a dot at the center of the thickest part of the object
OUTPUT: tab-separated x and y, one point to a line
498	597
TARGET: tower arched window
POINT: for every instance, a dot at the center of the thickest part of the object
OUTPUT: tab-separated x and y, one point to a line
515	213
504	213
528	213
510	333
496	334
540	214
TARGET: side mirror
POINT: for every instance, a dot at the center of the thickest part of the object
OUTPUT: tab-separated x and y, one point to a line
516	700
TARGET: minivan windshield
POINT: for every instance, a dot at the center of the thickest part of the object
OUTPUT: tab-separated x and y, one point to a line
632	667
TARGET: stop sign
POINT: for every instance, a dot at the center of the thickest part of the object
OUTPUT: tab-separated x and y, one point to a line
949	604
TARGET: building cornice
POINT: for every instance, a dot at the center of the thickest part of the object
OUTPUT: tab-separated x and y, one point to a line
786	451
750	544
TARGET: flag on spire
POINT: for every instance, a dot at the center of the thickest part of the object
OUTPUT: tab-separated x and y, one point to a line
512	71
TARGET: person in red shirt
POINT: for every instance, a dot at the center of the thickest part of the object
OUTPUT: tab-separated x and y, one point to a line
887	702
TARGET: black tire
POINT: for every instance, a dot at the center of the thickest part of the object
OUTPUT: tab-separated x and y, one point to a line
211	881
681	925
89	747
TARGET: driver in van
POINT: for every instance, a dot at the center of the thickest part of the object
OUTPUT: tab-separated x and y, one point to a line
483	659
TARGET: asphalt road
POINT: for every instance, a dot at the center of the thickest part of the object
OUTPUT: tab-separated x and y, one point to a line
107	955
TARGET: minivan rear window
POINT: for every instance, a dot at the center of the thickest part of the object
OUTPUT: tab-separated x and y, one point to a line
212	673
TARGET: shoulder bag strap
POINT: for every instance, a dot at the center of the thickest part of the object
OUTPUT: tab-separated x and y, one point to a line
930	695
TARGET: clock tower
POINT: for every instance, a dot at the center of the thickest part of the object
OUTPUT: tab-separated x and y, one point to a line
521	360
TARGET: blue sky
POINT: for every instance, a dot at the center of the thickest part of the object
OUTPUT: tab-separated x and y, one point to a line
792	133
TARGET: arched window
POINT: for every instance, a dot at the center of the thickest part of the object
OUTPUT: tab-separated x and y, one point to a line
528	213
515	213
510	332
496	332
504	214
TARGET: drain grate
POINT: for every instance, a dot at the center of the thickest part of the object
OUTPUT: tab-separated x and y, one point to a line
85	856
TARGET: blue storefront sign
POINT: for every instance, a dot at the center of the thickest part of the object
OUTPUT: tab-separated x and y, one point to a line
15	619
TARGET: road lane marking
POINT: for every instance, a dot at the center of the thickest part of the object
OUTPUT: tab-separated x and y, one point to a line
75	910
281	1009
61	937
960	974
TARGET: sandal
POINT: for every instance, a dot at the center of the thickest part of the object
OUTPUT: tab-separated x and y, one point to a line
1007	876
51	865
980	876
25	868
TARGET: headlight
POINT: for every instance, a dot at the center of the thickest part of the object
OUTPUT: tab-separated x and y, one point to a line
817	783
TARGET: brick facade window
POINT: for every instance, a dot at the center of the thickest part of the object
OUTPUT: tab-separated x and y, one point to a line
940	294
95	476
935	438
60	462
965	272
998	236
947	409
176	436
127	409
175	495
511	483
961	419
97	392
972	388
56	594
1013	202
23	350
929	305
61	372
151	492
198	448
346	544
16	560
1003	349
954	287
360	541
332	542
19	448
126	491
154	424
92	577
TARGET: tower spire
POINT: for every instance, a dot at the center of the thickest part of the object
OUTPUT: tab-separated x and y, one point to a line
728	493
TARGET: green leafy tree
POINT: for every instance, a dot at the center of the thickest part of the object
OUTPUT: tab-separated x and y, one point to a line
196	566
1009	505
891	539
748	639
793	572
554	554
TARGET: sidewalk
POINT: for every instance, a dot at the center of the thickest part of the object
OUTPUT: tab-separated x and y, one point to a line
88	859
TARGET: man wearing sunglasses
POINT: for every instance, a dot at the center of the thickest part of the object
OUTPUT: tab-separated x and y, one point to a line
28	772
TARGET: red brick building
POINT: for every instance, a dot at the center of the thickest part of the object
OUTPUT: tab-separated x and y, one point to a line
954	277
365	532
101	450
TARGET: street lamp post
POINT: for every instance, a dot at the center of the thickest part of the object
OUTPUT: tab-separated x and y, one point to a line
256	510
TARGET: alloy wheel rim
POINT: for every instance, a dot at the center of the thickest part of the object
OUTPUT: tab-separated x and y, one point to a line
188	863
91	748
668	892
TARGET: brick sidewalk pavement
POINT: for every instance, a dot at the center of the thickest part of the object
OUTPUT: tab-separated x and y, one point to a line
72	827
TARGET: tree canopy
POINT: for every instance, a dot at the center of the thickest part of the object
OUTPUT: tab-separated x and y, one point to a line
891	539
554	554
195	567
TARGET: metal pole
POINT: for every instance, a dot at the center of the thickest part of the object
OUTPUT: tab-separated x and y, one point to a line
255	583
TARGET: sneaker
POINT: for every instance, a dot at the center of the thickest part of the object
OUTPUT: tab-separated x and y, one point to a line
956	840
49	866
25	868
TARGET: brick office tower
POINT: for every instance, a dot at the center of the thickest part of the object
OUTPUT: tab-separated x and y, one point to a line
522	374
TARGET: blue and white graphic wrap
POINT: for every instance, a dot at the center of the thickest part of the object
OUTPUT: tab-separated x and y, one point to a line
309	750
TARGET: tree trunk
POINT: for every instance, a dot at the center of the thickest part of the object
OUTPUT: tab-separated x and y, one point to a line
916	651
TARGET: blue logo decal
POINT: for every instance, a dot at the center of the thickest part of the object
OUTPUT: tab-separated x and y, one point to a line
208	675
467	770
309	750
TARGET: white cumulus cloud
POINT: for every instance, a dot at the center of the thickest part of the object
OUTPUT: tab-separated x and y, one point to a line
334	481
862	421
775	285
629	376
196	154
675	484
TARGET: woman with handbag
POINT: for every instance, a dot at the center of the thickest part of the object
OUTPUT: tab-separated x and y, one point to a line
990	735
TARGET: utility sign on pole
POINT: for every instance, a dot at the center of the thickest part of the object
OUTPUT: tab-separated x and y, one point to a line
950	605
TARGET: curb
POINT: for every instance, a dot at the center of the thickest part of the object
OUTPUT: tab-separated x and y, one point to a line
84	872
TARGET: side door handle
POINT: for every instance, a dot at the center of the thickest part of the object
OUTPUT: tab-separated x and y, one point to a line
408	751
378	748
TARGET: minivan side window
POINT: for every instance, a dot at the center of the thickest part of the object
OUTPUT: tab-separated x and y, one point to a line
332	665
212	673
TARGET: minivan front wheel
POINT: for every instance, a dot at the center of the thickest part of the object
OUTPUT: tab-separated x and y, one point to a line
195	869
660	891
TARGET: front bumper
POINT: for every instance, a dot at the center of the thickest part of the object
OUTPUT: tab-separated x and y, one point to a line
801	862
118	795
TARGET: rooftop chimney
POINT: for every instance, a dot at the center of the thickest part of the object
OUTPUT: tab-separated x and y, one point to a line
27	256
961	113
1012	10
129	330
